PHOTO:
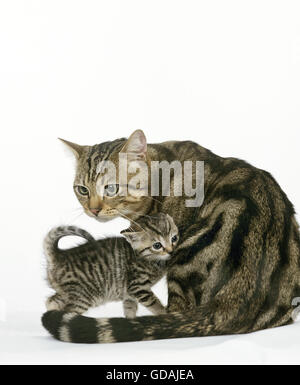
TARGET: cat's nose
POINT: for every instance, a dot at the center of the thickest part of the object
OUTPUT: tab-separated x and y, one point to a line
95	211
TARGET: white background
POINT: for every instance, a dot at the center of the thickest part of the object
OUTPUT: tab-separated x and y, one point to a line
222	73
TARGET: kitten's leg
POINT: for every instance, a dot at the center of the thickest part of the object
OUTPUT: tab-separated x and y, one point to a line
148	299
55	302
130	307
78	303
77	299
76	308
71	306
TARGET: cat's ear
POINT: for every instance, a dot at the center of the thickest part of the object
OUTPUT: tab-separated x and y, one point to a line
136	146
76	149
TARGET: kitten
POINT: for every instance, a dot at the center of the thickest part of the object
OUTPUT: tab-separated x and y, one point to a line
111	269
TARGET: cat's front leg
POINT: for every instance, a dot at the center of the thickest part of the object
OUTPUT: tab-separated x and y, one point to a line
148	299
130	307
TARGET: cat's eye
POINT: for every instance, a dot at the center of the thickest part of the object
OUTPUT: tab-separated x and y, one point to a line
82	190
157	246
111	189
174	238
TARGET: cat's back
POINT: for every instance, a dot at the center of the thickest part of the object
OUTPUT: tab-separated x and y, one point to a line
180	150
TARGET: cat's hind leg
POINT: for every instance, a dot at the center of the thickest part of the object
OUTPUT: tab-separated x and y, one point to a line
55	302
130	307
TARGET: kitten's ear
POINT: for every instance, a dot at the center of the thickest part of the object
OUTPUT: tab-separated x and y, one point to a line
75	148
170	218
130	235
136	146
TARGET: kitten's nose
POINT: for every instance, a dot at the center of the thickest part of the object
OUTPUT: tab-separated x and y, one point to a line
95	211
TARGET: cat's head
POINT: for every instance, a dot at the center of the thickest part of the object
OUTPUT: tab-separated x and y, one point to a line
153	237
98	192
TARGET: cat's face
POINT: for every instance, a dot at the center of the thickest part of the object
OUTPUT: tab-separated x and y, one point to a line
153	237
98	193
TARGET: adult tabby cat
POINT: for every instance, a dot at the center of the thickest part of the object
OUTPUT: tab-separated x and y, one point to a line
110	269
237	264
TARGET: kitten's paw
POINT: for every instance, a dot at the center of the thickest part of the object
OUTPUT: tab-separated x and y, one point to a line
160	311
130	308
163	311
130	315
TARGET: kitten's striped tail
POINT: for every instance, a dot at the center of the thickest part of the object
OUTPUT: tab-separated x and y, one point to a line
51	240
71	327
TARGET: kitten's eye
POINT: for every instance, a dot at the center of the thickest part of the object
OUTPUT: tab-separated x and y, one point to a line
174	238
111	189
82	190
157	246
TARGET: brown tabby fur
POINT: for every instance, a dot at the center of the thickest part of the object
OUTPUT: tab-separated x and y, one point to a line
110	269
237	264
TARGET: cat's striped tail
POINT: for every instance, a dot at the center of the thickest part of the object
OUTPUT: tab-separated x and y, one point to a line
70	327
51	249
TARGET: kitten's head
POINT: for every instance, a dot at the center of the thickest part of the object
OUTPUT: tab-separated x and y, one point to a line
153	237
97	189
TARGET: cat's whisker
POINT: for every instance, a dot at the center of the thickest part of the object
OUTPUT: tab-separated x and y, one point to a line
76	209
74	219
131	220
155	200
